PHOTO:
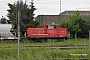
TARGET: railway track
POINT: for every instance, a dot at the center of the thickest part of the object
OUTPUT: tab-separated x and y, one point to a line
59	46
51	47
64	59
55	47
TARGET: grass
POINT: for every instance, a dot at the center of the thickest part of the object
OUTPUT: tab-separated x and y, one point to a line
50	43
42	53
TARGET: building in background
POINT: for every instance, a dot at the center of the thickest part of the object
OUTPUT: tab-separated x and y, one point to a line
47	18
64	16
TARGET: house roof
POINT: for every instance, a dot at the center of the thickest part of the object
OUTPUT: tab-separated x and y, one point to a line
73	12
68	12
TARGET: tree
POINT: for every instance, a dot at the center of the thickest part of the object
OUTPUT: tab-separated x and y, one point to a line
12	14
76	25
3	20
64	24
87	28
26	15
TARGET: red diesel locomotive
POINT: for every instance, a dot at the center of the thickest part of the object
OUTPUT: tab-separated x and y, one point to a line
52	31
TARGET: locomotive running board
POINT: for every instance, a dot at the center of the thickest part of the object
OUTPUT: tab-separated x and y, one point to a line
39	34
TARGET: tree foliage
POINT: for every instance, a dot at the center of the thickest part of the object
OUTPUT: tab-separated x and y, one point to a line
3	20
77	26
26	15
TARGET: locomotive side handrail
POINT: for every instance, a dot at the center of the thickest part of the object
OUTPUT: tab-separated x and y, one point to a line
39	34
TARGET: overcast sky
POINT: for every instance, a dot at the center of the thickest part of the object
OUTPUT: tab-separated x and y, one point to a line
47	7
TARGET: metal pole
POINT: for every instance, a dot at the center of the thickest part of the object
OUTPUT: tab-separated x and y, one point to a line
19	32
89	36
18	38
32	1
89	39
60	6
31	7
60	12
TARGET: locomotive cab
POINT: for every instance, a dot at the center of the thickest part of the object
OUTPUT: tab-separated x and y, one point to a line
54	31
51	26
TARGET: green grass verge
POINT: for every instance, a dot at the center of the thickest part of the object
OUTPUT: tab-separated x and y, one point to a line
33	54
42	53
50	43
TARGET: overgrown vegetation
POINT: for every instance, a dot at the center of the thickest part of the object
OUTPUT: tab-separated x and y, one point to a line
49	43
77	26
8	50
26	15
33	54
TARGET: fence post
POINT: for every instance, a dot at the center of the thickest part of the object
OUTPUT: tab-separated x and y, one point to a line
89	39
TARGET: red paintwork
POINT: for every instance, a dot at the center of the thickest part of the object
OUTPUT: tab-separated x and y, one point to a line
49	31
